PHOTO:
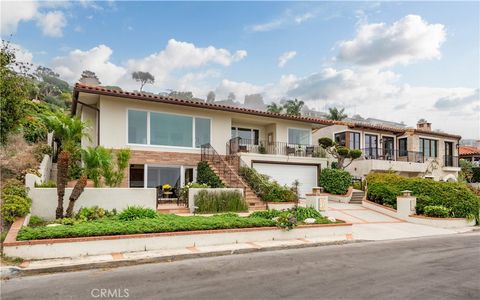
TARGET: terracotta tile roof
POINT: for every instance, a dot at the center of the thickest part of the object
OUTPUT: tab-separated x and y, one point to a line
468	150
83	88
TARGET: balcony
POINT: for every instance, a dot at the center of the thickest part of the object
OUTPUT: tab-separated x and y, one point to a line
392	155
241	145
451	161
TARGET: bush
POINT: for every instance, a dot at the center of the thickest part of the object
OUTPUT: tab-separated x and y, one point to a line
14	206
457	197
206	176
36	221
265	214
335	181
137	212
302	213
383	194
34	130
222	201
40	150
286	220
14	187
93	213
436	211
266	189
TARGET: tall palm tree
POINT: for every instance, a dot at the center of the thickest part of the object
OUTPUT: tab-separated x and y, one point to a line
275	108
294	107
336	114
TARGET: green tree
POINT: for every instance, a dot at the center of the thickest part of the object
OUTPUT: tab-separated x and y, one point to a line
143	78
336	114
341	153
294	107
15	88
275	108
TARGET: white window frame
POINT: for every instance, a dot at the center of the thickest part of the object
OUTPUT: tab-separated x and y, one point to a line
149	144
182	172
303	129
252	136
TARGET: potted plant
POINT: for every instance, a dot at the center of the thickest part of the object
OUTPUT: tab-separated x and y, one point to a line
262	149
167	187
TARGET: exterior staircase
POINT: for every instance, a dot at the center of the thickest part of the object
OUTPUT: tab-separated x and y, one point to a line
357	197
227	169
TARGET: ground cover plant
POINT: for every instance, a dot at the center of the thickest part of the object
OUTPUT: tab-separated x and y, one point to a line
460	201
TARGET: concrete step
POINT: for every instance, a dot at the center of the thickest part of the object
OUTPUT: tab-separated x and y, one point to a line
173	211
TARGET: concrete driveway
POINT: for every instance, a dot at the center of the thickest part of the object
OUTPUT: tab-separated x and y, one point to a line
372	225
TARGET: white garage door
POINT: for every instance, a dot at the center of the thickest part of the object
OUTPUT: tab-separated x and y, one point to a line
287	173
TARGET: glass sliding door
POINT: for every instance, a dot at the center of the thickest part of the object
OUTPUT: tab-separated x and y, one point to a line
371	146
158	176
388	148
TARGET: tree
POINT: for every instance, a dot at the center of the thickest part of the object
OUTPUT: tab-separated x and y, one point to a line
181	95
62	174
76	192
275	108
340	153
89	77
293	107
336	114
143	78
211	97
231	96
466	172
15	87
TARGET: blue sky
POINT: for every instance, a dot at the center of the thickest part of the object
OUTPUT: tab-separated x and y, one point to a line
399	61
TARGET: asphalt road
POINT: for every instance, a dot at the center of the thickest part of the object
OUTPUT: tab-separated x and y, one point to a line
445	267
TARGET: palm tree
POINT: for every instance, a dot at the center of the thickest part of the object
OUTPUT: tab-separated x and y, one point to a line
336	114
294	107
274	108
77	191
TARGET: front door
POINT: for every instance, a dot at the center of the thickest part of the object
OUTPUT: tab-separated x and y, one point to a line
371	146
388	148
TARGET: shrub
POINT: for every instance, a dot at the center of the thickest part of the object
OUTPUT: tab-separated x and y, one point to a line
34	130
265	188
265	214
457	197
286	220
206	176
383	194
36	221
46	184
14	206
40	150
93	213
14	187
437	211
137	212
222	201
335	181
191	185
302	213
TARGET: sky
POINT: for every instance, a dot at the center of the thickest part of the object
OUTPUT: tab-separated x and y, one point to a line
399	61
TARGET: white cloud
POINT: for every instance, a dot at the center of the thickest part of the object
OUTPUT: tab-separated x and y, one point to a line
240	89
52	23
459	101
285	57
408	40
22	54
96	59
14	12
288	18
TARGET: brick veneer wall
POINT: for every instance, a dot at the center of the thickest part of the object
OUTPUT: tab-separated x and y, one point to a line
160	158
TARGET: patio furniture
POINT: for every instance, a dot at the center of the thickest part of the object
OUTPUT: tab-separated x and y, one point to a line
290	150
309	150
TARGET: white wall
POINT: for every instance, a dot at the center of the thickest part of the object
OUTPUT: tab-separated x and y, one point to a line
44	200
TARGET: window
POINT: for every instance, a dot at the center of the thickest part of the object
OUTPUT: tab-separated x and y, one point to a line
247	135
371	146
136	176
137	127
402	147
341	138
167	129
298	136
428	147
170	130
354	140
202	131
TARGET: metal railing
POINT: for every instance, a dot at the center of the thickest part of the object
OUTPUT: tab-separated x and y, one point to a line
450	161
236	145
392	155
219	162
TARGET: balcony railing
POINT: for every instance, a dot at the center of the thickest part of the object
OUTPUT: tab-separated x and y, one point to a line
392	155
450	161
236	145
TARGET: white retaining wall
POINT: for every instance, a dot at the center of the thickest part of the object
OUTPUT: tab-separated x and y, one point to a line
44	200
192	192
44	170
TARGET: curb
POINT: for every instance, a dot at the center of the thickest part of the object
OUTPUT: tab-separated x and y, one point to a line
11	272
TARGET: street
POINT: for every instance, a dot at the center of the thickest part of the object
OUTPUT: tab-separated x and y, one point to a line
442	267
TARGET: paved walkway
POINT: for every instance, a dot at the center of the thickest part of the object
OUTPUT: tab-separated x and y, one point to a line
372	225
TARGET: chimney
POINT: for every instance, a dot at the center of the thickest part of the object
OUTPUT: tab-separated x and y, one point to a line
424	125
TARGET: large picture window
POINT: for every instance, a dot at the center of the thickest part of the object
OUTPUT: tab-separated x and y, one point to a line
167	129
354	140
298	136
341	139
247	135
428	147
402	147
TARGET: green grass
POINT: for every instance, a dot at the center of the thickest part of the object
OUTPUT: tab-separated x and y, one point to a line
162	223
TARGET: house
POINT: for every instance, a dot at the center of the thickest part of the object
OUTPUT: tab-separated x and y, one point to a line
470	153
409	152
169	137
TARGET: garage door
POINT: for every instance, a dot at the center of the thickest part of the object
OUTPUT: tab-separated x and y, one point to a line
287	173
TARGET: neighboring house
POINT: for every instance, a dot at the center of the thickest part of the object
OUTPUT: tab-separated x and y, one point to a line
470	153
166	137
406	151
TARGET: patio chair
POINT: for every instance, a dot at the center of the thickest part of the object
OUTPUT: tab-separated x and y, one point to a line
309	150
290	150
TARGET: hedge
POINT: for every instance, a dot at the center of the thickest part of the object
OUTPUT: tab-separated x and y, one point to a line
221	201
456	197
267	189
206	176
335	181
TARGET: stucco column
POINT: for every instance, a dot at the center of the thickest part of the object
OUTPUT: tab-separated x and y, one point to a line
406	204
